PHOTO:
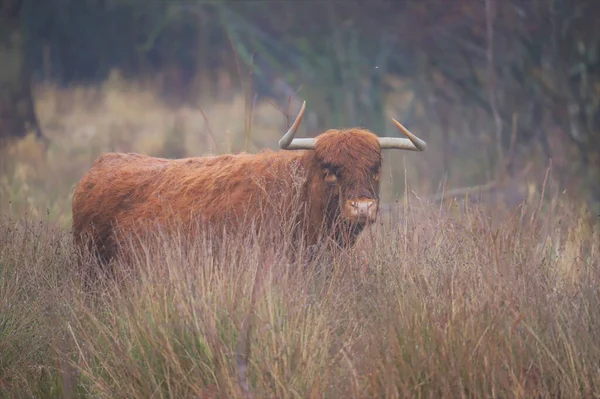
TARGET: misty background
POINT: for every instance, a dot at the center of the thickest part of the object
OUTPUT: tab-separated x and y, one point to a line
504	92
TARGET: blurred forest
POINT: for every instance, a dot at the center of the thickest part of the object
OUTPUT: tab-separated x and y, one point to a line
496	87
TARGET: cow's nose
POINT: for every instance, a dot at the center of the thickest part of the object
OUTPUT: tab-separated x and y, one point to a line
362	209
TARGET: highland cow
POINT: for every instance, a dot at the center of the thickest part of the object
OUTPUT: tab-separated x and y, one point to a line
329	186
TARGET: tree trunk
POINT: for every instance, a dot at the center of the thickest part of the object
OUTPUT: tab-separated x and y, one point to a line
17	113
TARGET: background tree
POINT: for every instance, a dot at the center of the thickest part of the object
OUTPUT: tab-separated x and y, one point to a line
17	112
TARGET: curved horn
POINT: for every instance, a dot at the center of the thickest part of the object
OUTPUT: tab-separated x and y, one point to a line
412	143
288	142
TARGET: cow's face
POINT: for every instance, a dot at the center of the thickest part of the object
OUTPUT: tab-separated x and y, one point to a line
347	166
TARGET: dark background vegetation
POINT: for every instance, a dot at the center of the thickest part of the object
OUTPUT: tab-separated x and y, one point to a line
491	80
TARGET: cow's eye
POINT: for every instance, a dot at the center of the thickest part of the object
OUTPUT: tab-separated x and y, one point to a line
376	171
330	177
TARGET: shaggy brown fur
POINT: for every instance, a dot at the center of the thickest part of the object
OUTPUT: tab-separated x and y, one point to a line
137	193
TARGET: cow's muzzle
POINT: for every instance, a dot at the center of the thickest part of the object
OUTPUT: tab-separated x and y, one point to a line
361	210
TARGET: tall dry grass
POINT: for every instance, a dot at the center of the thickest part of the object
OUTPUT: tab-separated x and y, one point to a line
430	303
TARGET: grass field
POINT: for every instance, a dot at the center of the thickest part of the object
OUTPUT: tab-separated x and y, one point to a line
435	301
441	304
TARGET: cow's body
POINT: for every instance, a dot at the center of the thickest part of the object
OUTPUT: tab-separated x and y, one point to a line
330	191
136	192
